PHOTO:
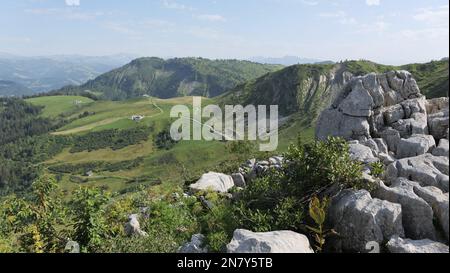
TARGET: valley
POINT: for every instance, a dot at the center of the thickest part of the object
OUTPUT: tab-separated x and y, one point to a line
111	143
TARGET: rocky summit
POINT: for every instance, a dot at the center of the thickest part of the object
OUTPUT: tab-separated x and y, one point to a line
386	119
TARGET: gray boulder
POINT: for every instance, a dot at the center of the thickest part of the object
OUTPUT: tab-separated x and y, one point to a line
438	124
436	105
399	245
359	219
391	137
332	122
72	247
218	182
439	202
361	153
239	180
245	241
195	245
415	145
393	114
442	149
417	215
427	170
413	106
133	228
359	102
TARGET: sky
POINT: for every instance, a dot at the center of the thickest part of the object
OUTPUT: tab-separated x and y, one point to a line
385	31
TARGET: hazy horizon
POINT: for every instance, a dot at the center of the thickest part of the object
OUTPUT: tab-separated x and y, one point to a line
388	32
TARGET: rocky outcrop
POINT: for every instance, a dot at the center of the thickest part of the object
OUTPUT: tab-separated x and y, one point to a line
218	182
417	214
427	170
442	149
245	241
415	145
195	245
438	202
359	219
385	118
133	227
399	245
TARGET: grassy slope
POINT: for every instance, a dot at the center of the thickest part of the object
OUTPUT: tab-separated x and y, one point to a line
166	166
56	105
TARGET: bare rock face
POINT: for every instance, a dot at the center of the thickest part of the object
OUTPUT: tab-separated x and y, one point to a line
439	202
427	170
133	227
218	182
415	145
385	118
245	241
442	149
359	219
195	245
417	214
399	245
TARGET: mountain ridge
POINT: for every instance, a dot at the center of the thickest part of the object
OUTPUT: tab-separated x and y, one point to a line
171	78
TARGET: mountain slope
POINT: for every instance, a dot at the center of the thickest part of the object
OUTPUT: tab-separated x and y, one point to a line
172	78
307	89
10	88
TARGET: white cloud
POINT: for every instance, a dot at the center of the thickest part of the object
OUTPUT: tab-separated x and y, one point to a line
67	13
437	17
373	2
174	5
212	17
72	2
435	24
310	2
341	17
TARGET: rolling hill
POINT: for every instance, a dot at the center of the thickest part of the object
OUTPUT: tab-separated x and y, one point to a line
171	78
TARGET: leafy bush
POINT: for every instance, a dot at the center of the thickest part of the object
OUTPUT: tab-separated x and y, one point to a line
114	139
319	164
377	169
90	228
36	217
164	141
317	212
279	200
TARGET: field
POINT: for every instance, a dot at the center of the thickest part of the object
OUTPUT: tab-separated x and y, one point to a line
187	160
56	105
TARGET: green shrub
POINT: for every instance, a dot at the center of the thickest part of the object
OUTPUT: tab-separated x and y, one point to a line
279	200
90	228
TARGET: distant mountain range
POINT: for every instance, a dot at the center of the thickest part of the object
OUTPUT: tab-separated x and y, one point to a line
42	74
172	78
10	88
288	60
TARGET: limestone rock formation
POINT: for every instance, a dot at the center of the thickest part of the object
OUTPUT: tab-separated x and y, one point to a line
245	241
218	182
385	118
195	245
399	245
358	219
133	227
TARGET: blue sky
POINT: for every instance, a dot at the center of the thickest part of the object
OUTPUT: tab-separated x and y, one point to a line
387	31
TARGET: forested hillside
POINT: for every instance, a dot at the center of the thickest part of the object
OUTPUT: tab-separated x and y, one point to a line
171	78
